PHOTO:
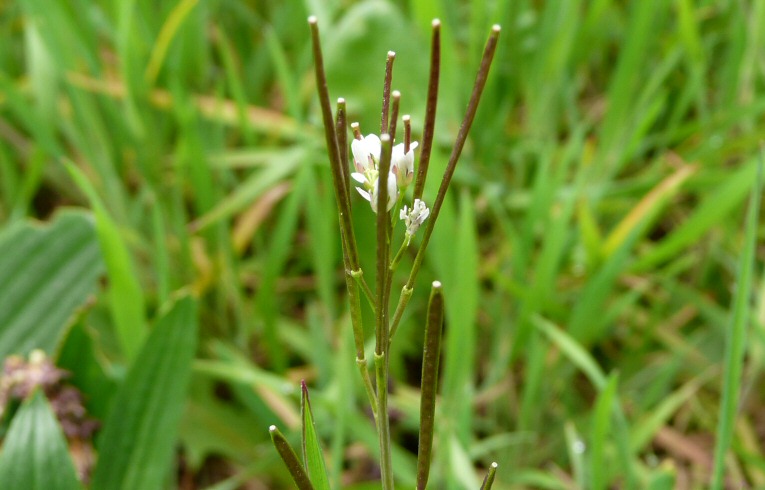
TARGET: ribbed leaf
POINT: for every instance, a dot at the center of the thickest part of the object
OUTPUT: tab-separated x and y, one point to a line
35	456
140	432
46	273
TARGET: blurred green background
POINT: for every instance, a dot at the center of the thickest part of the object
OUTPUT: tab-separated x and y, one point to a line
589	247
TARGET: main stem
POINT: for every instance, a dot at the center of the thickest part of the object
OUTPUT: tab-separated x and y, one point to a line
382	333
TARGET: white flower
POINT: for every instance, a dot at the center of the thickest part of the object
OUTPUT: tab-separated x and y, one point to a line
372	196
366	152
414	217
403	164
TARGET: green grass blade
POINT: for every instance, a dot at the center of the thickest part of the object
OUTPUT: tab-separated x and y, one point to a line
313	456
126	299
736	337
140	433
574	351
715	208
601	424
35	455
46	273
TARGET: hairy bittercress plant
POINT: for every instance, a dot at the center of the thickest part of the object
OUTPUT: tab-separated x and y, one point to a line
384	171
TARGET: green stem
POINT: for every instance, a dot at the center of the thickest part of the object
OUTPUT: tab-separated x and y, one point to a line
358	275
361	363
406	295
381	330
400	253
383	421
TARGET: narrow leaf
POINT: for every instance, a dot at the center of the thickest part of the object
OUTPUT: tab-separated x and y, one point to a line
601	428
139	434
312	454
126	298
35	455
736	337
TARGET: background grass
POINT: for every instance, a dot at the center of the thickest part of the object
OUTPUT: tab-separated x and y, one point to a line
589	249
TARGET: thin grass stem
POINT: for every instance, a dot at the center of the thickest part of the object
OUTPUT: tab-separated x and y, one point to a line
736	338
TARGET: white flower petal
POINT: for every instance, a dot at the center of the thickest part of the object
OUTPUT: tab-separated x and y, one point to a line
374	146
364	194
359	178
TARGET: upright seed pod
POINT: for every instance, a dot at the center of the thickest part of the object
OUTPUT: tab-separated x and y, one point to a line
429	385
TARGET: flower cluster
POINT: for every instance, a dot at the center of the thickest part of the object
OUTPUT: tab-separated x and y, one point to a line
366	152
414	217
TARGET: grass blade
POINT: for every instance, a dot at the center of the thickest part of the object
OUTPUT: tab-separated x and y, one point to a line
312	454
126	298
736	337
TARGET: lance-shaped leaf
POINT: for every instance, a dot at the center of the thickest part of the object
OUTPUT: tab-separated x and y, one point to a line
35	456
140	433
429	386
312	455
290	459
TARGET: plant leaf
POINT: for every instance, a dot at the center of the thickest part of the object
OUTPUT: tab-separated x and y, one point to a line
312	454
35	455
46	273
140	432
125	294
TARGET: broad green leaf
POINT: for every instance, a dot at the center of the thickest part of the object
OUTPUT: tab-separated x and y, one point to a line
125	293
46	273
140	433
35	455
313	458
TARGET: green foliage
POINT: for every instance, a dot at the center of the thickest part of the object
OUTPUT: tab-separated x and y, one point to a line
142	426
46	273
34	454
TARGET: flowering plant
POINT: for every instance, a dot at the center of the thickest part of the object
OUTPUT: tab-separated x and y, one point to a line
384	172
